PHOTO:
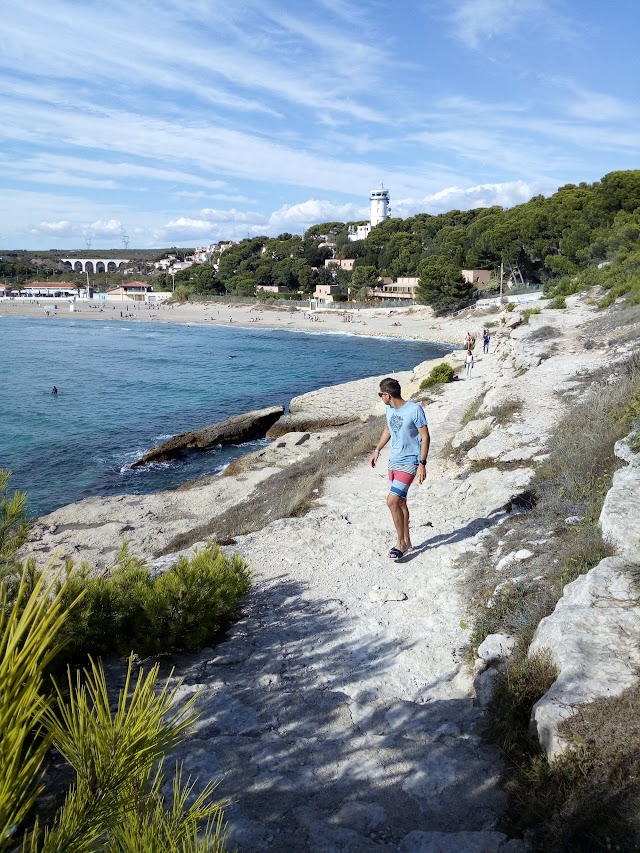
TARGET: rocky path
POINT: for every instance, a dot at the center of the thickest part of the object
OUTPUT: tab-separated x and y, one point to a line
339	714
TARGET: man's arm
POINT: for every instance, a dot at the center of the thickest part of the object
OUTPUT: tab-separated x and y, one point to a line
424	452
384	438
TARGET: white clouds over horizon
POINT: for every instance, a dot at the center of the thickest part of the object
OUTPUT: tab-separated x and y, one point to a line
274	116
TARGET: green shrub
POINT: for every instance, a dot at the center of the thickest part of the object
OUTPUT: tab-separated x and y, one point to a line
510	306
193	599
557	302
127	610
440	375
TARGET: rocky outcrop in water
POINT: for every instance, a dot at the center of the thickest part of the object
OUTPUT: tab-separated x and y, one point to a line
236	430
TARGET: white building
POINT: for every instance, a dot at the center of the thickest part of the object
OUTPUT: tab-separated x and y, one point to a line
203	254
378	212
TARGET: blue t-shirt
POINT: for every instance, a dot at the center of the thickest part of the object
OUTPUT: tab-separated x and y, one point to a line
403	425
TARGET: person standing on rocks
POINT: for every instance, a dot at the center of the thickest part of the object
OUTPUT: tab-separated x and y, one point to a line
407	428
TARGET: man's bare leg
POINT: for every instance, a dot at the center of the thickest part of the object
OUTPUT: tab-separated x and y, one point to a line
400	515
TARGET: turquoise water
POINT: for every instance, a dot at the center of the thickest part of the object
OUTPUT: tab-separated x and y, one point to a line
126	386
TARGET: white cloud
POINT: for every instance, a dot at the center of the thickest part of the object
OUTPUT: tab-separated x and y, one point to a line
599	106
476	21
62	228
465	198
233	215
259	50
105	228
300	216
99	229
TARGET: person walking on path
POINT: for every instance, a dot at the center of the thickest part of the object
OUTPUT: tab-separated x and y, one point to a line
468	362
407	428
486	337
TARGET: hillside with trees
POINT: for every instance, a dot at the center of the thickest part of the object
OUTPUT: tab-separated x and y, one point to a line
582	235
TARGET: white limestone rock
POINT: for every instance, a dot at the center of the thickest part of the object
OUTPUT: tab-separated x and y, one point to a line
518	556
472	431
496	647
515	444
620	516
383	594
593	637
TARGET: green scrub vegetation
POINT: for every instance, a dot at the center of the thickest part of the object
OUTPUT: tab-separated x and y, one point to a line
54	626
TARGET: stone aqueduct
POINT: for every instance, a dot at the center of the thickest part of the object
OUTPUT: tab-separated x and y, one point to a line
94	265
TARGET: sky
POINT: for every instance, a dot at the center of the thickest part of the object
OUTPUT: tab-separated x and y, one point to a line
185	122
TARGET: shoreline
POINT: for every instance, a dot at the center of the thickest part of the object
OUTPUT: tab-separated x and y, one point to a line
423	346
411	323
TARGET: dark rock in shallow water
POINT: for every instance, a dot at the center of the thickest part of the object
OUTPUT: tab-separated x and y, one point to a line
234	431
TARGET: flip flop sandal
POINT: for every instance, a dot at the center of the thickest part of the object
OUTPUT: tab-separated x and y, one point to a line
396	553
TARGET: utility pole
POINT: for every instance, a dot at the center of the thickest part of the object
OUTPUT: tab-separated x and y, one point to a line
501	276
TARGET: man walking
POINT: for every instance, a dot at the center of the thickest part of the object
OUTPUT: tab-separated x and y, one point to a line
407	428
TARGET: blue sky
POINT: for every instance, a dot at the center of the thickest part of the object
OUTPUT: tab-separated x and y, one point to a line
189	121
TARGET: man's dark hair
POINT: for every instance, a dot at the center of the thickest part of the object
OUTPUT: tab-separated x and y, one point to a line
391	386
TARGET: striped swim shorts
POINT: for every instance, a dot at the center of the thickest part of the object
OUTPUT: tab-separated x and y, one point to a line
400	478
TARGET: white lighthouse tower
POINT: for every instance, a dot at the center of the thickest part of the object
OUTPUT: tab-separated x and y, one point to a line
379	212
379	205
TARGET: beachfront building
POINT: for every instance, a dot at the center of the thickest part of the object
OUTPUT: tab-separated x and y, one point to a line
403	289
42	289
136	291
325	293
378	212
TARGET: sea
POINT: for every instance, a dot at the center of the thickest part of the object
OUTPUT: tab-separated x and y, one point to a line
125	386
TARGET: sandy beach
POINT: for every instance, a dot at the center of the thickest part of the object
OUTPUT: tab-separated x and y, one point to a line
415	322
